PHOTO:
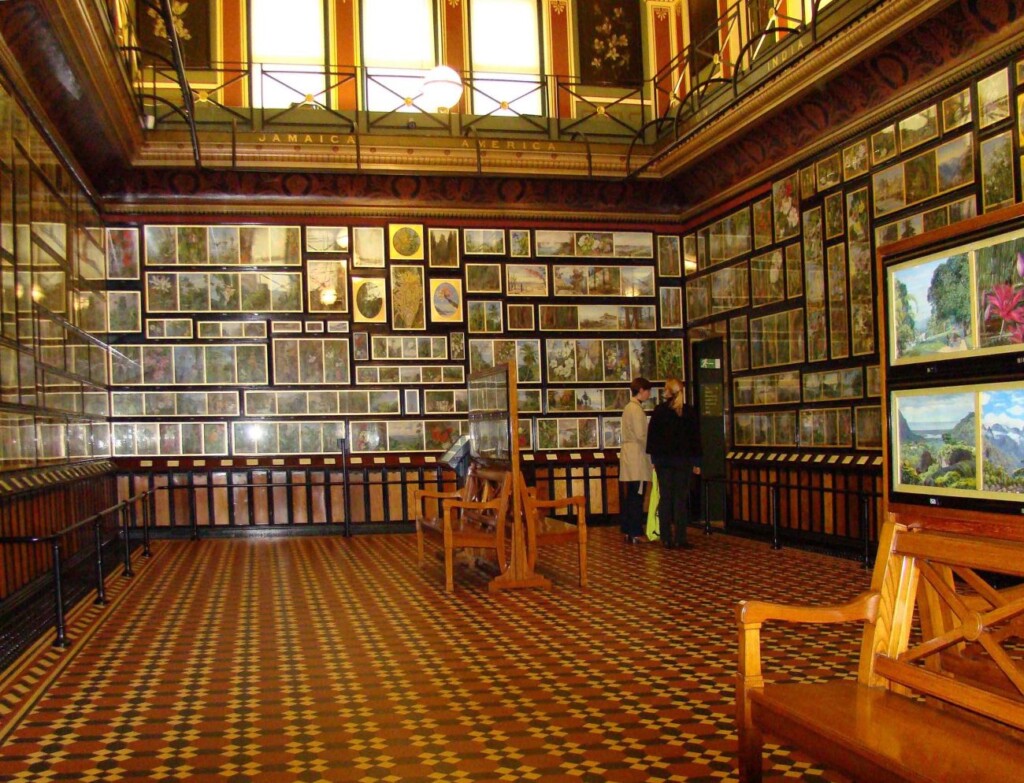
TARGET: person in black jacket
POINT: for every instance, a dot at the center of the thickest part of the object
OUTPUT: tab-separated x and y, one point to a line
673	441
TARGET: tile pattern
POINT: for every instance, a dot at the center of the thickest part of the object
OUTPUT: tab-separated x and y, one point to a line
330	659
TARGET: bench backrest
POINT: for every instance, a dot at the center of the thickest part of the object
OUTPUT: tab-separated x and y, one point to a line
966	616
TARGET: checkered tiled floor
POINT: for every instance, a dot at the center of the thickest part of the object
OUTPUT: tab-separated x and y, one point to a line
326	659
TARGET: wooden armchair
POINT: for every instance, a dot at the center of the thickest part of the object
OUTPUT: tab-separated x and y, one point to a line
475	517
543	530
969	723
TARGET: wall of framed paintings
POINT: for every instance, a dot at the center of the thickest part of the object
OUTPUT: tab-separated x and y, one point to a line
242	340
787	278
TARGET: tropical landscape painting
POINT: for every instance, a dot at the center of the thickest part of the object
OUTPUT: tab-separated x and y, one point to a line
931	308
1000	276
935	442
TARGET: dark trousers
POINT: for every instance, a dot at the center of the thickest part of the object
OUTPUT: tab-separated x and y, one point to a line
674	502
631	503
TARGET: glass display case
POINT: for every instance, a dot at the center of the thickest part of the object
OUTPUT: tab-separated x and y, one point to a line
493	416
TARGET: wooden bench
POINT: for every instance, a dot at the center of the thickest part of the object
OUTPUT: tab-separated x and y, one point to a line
939	700
543	530
474	517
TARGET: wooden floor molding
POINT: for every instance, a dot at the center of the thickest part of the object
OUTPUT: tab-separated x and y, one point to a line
333	659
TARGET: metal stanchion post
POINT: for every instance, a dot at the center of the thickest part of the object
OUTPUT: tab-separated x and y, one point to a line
101	588
707	510
145	526
127	542
773	497
347	505
58	597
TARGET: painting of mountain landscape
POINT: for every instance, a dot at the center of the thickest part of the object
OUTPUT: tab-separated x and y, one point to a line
936	442
1002	440
931	308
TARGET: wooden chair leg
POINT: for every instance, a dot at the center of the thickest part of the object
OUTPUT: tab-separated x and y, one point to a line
449	566
583	562
751	741
419	542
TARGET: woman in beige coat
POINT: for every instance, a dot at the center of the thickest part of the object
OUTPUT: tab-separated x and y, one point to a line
634	464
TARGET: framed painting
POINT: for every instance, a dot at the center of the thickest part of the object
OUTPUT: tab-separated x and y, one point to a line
920	331
919	128
829	172
786	207
598	244
327	285
457	345
889	193
834	224
669	259
368	300
855	159
485	317
360	346
161	245
444	247
483	278
767	279
224	245
555	244
519	242
954	162
956	110
192	23
521	317
762	223
609	43
408	308
446	300
406	242
368	247
690	249
123	253
483	241
526	279
994	98
997	172
327	239
883	145
671	307
808	183
124	312
739	344
920	178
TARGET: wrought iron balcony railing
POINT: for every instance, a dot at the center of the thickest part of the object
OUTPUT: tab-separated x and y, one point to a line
750	42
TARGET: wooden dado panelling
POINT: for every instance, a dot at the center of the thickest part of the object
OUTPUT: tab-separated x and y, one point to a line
814	505
200	501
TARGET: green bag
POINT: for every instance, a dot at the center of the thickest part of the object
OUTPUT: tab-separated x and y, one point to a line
653	525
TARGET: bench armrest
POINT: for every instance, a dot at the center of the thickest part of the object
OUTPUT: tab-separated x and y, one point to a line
751	614
456	505
433	494
863	607
578	501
